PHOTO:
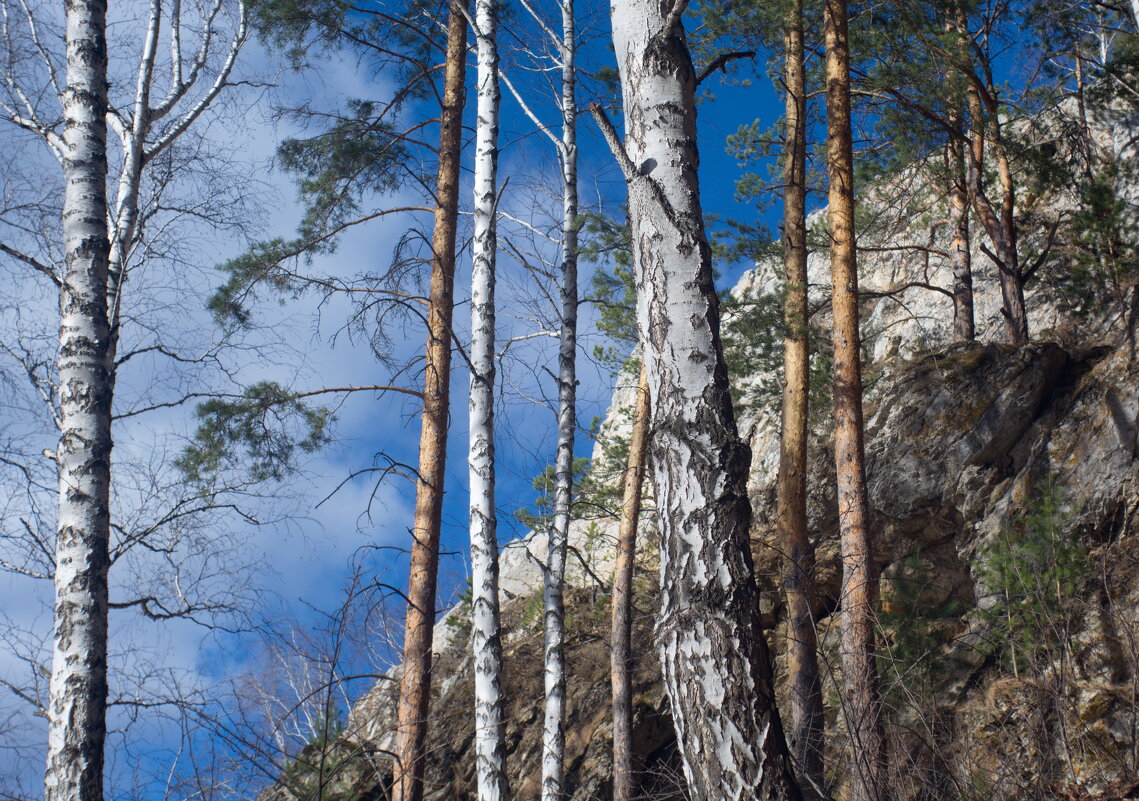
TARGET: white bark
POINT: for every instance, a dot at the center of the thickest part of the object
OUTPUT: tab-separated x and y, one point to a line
490	744
97	245
136	132
553	736
713	654
78	691
1134	13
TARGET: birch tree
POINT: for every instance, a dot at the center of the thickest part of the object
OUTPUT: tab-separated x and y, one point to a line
103	243
78	694
860	702
553	737
564	44
964	324
714	658
486	643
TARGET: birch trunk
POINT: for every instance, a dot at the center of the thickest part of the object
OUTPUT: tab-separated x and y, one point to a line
77	701
486	642
806	730
861	703
714	657
964	327
415	681
553	734
621	636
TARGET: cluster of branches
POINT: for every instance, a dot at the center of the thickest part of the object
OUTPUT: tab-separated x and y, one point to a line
924	81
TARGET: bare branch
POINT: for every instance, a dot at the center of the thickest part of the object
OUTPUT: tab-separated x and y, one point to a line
31	262
721	63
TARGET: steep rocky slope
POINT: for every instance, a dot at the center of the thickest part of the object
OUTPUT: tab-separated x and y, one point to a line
1003	482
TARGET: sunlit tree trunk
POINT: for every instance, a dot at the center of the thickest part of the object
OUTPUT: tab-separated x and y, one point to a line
621	658
999	224
806	726
77	701
714	659
964	327
553	736
486	642
415	681
861	704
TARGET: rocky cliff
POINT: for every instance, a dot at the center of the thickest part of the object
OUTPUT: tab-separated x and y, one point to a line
1003	482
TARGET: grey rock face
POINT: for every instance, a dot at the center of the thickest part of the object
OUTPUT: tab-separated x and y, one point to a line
960	438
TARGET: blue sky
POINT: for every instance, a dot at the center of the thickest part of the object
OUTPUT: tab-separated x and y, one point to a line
304	560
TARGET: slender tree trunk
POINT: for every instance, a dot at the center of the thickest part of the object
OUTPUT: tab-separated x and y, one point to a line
713	654
486	642
553	735
806	730
124	220
964	329
77	702
415	681
621	636
859	582
1000	227
1012	284
964	321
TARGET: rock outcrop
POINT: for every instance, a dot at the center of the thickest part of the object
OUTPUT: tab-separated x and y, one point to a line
981	457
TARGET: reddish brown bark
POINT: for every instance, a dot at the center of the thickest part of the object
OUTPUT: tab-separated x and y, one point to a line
415	682
805	730
861	704
621	638
999	224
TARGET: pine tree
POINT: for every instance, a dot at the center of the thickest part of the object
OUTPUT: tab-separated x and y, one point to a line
861	703
806	725
415	681
621	655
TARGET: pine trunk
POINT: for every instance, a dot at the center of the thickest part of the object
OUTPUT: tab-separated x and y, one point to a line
621	636
1000	226
861	703
77	701
806	729
415	681
713	654
553	736
486	642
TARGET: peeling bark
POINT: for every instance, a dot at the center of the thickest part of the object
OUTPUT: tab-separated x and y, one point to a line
415	681
620	640
486	642
806	727
77	701
714	657
861	703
